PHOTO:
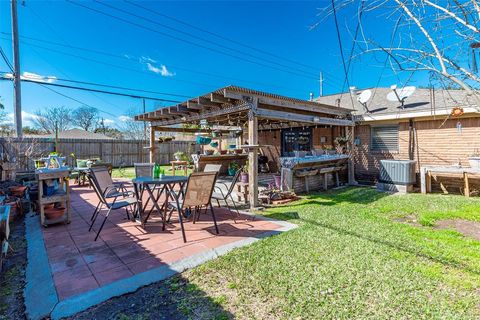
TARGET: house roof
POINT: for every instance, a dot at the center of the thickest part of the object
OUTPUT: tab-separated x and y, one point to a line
230	106
74	134
423	102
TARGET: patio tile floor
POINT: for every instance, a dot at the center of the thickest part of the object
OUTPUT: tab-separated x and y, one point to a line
79	264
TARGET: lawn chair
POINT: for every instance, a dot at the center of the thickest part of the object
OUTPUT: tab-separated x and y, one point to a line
219	195
108	195
107	165
198	195
106	181
212	168
143	169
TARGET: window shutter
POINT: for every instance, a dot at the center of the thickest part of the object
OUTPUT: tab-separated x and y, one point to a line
384	138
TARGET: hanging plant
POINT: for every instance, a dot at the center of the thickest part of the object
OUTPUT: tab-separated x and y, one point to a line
341	141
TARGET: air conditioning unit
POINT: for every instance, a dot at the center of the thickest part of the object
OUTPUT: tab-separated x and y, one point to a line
397	175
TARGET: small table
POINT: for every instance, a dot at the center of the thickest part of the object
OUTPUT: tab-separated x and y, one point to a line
176	163
82	175
158	186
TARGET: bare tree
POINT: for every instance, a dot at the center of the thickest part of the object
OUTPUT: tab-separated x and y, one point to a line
133	130
53	119
438	37
85	117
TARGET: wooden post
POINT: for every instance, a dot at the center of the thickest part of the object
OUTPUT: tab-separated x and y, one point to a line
152	145
467	185
350	133
253	155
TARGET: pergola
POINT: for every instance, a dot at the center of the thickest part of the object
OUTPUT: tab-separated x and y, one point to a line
245	108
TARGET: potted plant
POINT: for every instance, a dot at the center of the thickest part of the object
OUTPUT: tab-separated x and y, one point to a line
244	174
474	159
232	168
179	155
341	141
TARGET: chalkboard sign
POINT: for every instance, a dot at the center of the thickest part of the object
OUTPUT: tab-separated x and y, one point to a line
297	139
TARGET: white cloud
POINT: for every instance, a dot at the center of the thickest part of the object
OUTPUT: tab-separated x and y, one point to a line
147	59
108	121
27	118
124	118
33	77
163	71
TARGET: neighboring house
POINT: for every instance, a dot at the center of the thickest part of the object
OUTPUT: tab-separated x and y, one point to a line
73	134
424	130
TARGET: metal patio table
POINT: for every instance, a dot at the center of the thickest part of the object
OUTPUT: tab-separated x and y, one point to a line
154	188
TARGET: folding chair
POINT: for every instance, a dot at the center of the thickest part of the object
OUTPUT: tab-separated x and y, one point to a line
212	167
219	195
108	195
105	181
143	169
198	195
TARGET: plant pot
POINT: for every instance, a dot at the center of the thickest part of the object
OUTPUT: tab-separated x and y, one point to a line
17	191
278	181
223	151
474	162
231	172
238	151
244	177
208	152
54	213
178	158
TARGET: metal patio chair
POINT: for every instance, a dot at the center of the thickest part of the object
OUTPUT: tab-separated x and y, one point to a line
143	169
108	195
219	195
197	196
105	180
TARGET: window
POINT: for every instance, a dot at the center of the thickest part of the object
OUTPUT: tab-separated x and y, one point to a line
296	140
384	138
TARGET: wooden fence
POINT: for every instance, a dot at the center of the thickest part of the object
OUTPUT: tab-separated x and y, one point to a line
118	152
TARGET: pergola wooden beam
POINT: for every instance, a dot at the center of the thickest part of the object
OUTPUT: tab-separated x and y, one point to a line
292	105
292	117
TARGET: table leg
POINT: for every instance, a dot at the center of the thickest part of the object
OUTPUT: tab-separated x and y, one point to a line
155	202
173	169
139	206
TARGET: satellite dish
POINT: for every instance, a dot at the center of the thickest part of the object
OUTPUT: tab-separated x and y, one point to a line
400	95
363	98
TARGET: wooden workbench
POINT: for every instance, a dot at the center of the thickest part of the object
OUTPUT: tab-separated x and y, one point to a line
224	160
62	195
426	173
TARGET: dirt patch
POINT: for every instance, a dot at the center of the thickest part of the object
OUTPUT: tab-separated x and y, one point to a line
12	276
465	227
172	299
410	219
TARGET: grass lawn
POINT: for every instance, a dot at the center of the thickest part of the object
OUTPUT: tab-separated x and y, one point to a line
352	257
129	172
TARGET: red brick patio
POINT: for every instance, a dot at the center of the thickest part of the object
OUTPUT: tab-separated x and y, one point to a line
80	264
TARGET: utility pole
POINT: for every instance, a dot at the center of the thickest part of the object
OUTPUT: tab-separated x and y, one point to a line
321	83
17	93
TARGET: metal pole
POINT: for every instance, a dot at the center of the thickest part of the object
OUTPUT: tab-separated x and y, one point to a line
17	108
321	84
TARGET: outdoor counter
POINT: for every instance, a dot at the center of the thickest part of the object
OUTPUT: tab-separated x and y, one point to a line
223	159
314	173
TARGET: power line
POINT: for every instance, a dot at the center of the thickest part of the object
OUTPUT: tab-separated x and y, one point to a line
5	58
195	36
95	90
128	59
74	99
156	12
341	49
188	41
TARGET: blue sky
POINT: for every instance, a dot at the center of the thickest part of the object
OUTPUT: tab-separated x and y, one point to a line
138	58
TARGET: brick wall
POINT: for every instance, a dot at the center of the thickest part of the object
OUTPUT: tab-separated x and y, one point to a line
439	142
